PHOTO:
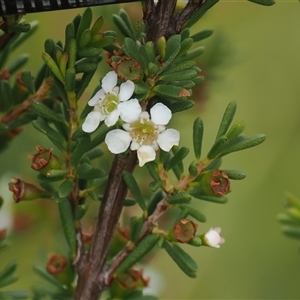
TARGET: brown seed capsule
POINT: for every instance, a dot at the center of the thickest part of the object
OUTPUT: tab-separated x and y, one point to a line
219	183
184	230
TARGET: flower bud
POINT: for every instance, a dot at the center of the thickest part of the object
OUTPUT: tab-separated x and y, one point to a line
23	191
212	238
184	230
59	266
44	160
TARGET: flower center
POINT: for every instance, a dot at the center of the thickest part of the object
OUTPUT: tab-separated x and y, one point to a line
109	103
144	132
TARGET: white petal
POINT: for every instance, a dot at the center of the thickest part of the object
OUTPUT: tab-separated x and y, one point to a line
91	121
96	98
117	141
112	118
109	81
130	111
134	146
145	154
167	139
160	114
126	90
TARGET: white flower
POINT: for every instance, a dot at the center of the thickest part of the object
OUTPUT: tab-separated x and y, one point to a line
212	238
145	135
112	102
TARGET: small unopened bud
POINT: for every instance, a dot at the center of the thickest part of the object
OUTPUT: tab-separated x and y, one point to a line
212	238
219	183
59	266
184	230
44	160
23	191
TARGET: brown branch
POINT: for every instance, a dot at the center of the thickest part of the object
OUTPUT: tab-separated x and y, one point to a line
40	95
89	285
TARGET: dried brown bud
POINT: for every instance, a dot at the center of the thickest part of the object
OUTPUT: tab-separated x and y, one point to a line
184	230
44	160
219	183
3	232
23	191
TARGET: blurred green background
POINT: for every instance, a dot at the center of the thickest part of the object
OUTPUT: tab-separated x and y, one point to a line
257	51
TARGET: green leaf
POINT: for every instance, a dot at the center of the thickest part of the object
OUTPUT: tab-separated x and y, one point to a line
123	14
89	52
244	144
94	153
97	25
57	174
191	55
198	193
28	82
122	26
179	106
172	49
53	67
143	248
85	23
72	50
155	185
291	231
201	35
227	119
193	213
80	211
100	41
179	198
67	221
5	95
185	33
134	189
65	188
150	51
169	91
185	45
154	200
218	147
183	261
14	295
136	225
133	51
153	170
44	111
184	65
7	281
41	271
235	174
85	171
8	271
70	79
182	215
56	138
235	130
177	158
83	145
141	88
85	38
193	168
18	63
200	12
181	75
198	129
263	2
196	241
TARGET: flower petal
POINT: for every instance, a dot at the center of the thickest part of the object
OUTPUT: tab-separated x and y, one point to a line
130	111
126	90
109	81
112	118
96	98
145	154
167	139
117	141
160	114
91	121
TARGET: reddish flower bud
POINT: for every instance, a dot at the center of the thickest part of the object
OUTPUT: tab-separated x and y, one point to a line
184	230
219	183
59	266
23	191
44	160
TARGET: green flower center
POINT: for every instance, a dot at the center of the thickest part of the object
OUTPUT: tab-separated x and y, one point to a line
109	103
144	132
